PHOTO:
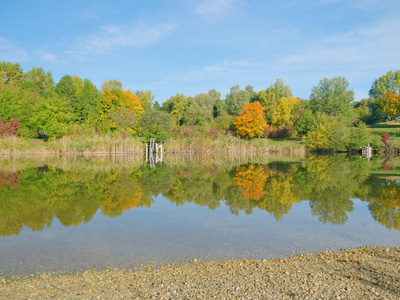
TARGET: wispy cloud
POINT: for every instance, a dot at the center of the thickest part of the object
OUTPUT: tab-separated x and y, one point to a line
49	57
220	70
372	46
120	36
212	9
11	52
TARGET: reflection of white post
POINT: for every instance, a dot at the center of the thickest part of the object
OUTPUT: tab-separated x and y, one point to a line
147	152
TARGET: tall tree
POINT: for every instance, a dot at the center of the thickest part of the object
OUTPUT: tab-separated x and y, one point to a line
270	97
40	80
120	110
333	97
236	99
390	82
176	107
389	105
111	84
10	73
146	99
65	87
200	110
285	111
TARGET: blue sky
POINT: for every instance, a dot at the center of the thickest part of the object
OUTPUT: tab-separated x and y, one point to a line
190	47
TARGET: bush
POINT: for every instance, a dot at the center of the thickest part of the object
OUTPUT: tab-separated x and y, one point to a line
334	134
10	128
278	132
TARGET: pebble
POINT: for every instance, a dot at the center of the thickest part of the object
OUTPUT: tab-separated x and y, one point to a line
362	273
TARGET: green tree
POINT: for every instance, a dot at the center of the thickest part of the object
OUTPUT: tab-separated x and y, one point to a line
390	82
40	80
65	87
333	97
10	72
270	97
200	110
155	123
146	99
367	110
176	107
111	84
237	98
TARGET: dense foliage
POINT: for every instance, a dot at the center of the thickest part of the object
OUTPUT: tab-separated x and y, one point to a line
329	120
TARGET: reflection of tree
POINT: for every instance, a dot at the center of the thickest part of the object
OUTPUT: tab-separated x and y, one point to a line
31	199
40	197
332	182
120	193
251	179
8	180
384	199
280	195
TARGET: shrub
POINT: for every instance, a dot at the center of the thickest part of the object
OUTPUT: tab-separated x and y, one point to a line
10	128
278	132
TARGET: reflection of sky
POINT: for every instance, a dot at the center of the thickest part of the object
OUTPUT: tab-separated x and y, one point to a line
170	233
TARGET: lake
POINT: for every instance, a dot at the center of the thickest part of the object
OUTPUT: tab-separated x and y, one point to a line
74	214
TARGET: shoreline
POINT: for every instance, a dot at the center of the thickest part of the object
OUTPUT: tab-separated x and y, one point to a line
365	272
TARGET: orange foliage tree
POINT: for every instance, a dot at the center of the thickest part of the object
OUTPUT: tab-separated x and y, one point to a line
251	123
251	179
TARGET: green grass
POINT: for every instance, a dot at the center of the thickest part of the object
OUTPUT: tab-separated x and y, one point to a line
392	127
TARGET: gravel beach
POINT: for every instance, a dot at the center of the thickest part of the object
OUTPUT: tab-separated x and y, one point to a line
362	273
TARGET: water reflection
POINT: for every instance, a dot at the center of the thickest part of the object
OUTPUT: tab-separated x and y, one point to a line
73	191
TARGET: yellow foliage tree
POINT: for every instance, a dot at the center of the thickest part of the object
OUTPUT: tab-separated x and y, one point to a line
285	110
251	179
251	123
120	109
389	105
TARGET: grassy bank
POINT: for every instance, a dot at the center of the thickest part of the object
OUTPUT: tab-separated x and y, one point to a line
391	127
86	145
232	144
80	145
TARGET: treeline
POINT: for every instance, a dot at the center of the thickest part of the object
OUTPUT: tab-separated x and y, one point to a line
329	120
33	197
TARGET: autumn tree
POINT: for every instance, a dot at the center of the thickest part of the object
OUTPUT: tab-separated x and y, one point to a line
285	111
251	123
120	110
389	105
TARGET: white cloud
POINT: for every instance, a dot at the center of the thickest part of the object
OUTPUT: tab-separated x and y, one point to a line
224	69
11	52
374	45
48	57
121	36
212	9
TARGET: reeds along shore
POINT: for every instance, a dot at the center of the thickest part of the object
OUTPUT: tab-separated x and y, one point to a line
106	144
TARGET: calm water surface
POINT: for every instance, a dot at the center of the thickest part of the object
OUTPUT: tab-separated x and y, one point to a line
77	214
